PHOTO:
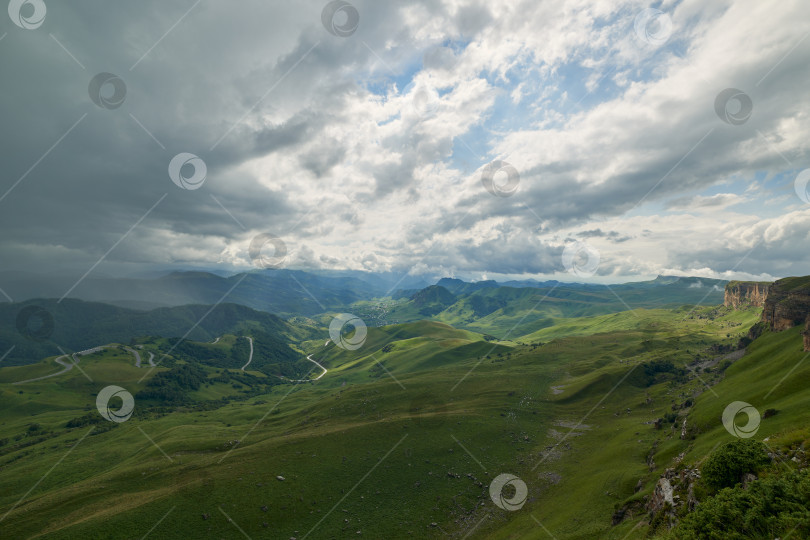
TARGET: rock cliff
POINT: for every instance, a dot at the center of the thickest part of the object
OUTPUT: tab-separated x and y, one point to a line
785	303
788	305
746	293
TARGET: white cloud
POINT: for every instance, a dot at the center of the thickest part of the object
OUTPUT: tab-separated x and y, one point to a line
366	151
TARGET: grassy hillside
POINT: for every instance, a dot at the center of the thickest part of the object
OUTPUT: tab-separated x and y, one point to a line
794	283
404	451
636	319
403	350
507	312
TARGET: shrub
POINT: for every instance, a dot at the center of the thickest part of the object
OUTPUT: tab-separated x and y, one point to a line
726	466
769	412
774	507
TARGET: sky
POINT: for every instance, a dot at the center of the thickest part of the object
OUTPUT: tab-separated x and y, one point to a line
588	140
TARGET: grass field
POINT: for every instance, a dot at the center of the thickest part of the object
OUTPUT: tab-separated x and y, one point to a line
408	450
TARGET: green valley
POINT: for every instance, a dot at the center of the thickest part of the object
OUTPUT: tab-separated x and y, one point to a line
400	437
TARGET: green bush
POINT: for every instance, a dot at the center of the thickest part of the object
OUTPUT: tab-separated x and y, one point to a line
726	466
773	507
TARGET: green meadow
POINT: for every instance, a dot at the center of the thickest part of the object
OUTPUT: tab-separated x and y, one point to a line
401	437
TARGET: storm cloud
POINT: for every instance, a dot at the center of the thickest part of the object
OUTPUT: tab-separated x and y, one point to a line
366	150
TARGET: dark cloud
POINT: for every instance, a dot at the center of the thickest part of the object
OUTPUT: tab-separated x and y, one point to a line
322	140
613	236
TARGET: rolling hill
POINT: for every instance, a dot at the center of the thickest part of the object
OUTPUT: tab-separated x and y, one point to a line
601	416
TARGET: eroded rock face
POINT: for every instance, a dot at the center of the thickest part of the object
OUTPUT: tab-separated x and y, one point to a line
745	293
788	305
806	334
673	490
662	496
785	303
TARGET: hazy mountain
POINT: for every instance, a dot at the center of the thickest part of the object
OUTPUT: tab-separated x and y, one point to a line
75	325
277	291
457	286
492	308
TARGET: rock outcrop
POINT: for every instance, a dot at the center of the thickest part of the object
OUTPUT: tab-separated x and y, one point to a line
785	304
674	490
806	335
745	293
662	496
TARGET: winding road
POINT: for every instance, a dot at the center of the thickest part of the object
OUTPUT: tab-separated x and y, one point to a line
66	365
250	358
137	356
320	366
307	380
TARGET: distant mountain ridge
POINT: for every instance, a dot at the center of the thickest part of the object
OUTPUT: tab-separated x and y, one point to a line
75	325
458	286
502	309
283	292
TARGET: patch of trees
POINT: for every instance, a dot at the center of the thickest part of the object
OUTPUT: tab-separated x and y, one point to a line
172	386
35	434
86	420
191	351
270	349
656	371
232	377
